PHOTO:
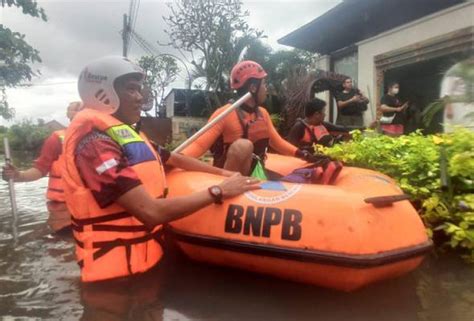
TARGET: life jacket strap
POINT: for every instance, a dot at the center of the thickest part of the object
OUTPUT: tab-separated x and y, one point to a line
105	247
112	228
100	219
308	128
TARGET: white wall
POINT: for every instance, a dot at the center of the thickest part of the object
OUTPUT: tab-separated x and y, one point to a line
440	23
169	103
180	126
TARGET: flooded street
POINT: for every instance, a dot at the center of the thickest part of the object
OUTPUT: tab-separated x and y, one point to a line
39	280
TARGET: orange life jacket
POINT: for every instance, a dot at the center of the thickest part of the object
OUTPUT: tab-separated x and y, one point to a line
251	126
55	190
315	135
253	129
111	242
256	130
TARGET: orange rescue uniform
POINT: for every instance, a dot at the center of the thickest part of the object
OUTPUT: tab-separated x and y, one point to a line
256	126
111	242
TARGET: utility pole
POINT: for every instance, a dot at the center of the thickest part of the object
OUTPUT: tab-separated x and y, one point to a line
125	35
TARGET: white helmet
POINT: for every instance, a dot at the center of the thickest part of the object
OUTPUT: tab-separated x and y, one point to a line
96	82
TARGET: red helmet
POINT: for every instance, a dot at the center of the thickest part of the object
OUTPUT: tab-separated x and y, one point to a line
244	71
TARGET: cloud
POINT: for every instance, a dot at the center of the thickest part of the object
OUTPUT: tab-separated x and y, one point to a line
78	31
46	99
279	17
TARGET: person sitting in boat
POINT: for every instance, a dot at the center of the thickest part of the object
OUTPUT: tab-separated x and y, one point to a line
115	184
49	161
313	129
241	140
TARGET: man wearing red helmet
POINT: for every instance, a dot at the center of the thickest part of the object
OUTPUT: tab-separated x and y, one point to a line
243	137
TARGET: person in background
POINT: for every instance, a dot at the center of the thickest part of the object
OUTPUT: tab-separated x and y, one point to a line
114	179
457	89
49	161
392	110
313	129
351	104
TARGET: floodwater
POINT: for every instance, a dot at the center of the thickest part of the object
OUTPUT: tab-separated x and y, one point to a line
39	280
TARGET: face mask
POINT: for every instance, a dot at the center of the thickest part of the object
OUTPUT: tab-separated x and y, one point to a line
395	91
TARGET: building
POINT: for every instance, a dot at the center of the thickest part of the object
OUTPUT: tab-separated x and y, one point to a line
187	103
53	125
378	41
188	111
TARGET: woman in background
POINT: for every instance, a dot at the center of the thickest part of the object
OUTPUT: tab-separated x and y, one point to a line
392	121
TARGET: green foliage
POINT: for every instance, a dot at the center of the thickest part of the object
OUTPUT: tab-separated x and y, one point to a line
281	66
16	55
27	136
432	110
276	120
5	111
160	72
414	161
214	33
29	7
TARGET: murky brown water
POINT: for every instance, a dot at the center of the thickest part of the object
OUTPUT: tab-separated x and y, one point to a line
39	280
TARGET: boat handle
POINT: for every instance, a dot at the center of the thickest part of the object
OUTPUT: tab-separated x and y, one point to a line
383	201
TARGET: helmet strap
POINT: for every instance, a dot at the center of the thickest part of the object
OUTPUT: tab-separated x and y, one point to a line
255	94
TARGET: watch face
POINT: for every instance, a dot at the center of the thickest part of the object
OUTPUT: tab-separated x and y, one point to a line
216	190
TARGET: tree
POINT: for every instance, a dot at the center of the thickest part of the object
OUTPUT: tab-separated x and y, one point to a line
282	67
160	72
27	136
16	55
213	33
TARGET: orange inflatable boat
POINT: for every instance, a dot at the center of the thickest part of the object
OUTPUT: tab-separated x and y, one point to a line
344	236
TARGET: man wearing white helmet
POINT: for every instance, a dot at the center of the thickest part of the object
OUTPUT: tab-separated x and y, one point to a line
49	161
114	180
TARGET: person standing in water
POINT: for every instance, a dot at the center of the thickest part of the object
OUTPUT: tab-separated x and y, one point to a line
49	162
115	183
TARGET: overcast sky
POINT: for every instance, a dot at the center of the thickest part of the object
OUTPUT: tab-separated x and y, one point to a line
78	31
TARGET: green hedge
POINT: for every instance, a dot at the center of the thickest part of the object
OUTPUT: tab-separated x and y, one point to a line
414	161
25	136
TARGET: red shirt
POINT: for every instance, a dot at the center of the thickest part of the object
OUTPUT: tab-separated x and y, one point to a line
104	168
50	152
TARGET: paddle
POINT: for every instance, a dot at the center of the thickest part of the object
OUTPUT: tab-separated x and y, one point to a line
8	161
200	132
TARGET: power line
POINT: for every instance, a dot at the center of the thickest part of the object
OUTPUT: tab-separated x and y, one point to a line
153	51
127	25
134	20
142	42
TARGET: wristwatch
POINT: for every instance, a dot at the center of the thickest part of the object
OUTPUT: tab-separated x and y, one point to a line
216	193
